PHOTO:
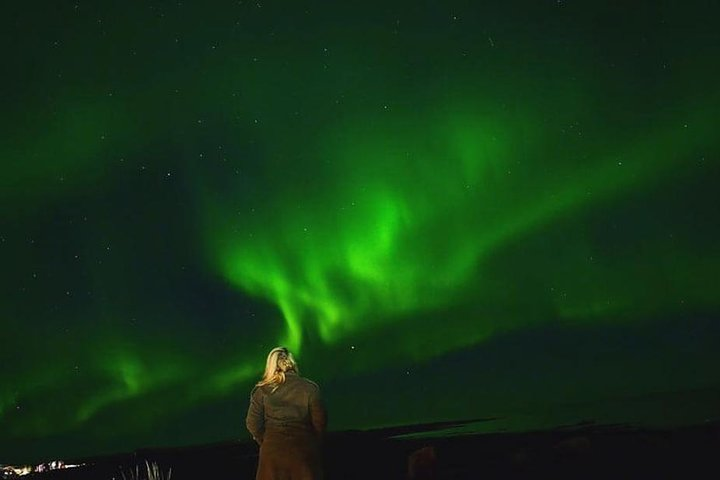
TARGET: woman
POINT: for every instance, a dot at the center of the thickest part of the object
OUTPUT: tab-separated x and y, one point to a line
287	419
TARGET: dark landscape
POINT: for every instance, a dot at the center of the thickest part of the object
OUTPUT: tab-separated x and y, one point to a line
579	451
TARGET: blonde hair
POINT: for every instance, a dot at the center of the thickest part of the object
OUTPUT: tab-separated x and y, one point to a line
279	361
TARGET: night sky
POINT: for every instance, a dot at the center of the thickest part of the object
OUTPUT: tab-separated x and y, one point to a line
448	210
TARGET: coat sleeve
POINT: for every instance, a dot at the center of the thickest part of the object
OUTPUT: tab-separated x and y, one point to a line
318	413
255	419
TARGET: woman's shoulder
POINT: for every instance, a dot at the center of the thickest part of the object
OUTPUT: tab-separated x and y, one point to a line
310	383
258	390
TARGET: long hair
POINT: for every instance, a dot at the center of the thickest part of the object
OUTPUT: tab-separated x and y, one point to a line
279	361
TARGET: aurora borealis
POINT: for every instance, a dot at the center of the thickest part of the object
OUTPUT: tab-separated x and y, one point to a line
515	202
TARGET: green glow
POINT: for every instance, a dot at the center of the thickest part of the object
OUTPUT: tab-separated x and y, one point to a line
411	189
413	213
134	378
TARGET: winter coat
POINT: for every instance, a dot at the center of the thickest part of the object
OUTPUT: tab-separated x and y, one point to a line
288	423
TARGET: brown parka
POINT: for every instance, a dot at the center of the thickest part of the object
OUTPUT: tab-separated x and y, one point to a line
288	422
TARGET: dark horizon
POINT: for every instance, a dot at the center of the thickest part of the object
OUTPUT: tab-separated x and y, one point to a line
446	210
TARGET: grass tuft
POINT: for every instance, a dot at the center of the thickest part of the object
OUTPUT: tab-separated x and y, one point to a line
152	472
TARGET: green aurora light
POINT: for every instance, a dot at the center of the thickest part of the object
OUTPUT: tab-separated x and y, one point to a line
184	188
